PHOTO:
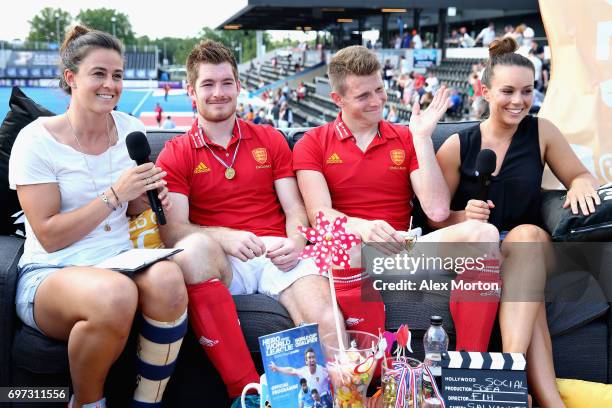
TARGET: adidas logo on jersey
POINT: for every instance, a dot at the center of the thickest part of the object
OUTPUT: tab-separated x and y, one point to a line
201	168
334	159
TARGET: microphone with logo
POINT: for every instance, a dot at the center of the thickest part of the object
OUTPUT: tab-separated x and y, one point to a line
486	162
139	151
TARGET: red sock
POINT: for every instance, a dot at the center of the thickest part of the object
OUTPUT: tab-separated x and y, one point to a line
361	304
474	311
214	320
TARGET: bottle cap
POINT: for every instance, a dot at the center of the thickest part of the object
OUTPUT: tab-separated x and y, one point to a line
436	320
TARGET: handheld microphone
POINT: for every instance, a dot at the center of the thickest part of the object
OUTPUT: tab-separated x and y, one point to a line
139	151
486	161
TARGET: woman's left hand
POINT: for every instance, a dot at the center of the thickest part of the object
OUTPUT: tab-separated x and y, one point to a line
583	194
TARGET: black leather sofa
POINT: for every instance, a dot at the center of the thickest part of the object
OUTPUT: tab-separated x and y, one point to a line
581	331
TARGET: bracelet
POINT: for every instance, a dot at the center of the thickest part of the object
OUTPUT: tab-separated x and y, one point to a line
119	203
104	199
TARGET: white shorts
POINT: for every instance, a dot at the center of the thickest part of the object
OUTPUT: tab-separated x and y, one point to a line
260	275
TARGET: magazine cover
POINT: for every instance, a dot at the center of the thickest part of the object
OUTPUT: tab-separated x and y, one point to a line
295	368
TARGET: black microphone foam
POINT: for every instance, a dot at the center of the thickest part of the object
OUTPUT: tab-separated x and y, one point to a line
139	151
486	161
138	147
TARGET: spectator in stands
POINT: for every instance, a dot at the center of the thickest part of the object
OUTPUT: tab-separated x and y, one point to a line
487	35
537	64
479	109
275	114
456	104
301	92
408	91
528	35
416	41
285	115
236	220
168	123
426	99
509	31
466	40
166	91
454	40
158	114
474	87
388	74
404	65
250	113
76	189
431	83
393	164
406	41
286	90
524	144
419	84
298	65
260	118
397	42
261	83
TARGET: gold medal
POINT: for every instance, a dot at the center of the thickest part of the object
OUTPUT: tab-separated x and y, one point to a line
230	173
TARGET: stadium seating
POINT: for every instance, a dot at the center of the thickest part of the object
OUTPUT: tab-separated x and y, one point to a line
582	342
44	64
268	73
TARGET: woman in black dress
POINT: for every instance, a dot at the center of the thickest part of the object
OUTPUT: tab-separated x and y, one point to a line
523	145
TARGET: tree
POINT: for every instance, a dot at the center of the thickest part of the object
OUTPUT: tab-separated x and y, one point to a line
102	19
49	24
236	40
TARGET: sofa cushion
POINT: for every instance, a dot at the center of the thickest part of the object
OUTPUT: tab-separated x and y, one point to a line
22	111
10	252
577	394
575	299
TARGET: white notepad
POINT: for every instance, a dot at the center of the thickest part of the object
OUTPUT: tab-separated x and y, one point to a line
136	259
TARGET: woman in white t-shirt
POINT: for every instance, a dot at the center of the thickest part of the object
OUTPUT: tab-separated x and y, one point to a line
76	183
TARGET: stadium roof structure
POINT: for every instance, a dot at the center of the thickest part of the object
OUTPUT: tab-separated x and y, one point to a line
321	14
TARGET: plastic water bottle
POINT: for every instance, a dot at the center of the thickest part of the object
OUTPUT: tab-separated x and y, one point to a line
435	343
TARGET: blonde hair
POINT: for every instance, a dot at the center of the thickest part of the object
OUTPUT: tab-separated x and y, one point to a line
209	52
353	60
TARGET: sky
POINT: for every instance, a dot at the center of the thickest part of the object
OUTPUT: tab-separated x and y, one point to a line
156	19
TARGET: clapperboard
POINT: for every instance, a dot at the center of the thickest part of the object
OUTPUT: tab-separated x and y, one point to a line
484	380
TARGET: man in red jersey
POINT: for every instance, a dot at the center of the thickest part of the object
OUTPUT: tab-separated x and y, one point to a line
235	212
369	170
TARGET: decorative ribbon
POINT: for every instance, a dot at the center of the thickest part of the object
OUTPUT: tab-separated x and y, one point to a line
434	386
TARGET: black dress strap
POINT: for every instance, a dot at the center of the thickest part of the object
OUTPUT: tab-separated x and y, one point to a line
516	190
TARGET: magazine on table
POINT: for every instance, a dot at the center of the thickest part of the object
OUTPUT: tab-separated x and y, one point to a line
295	368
